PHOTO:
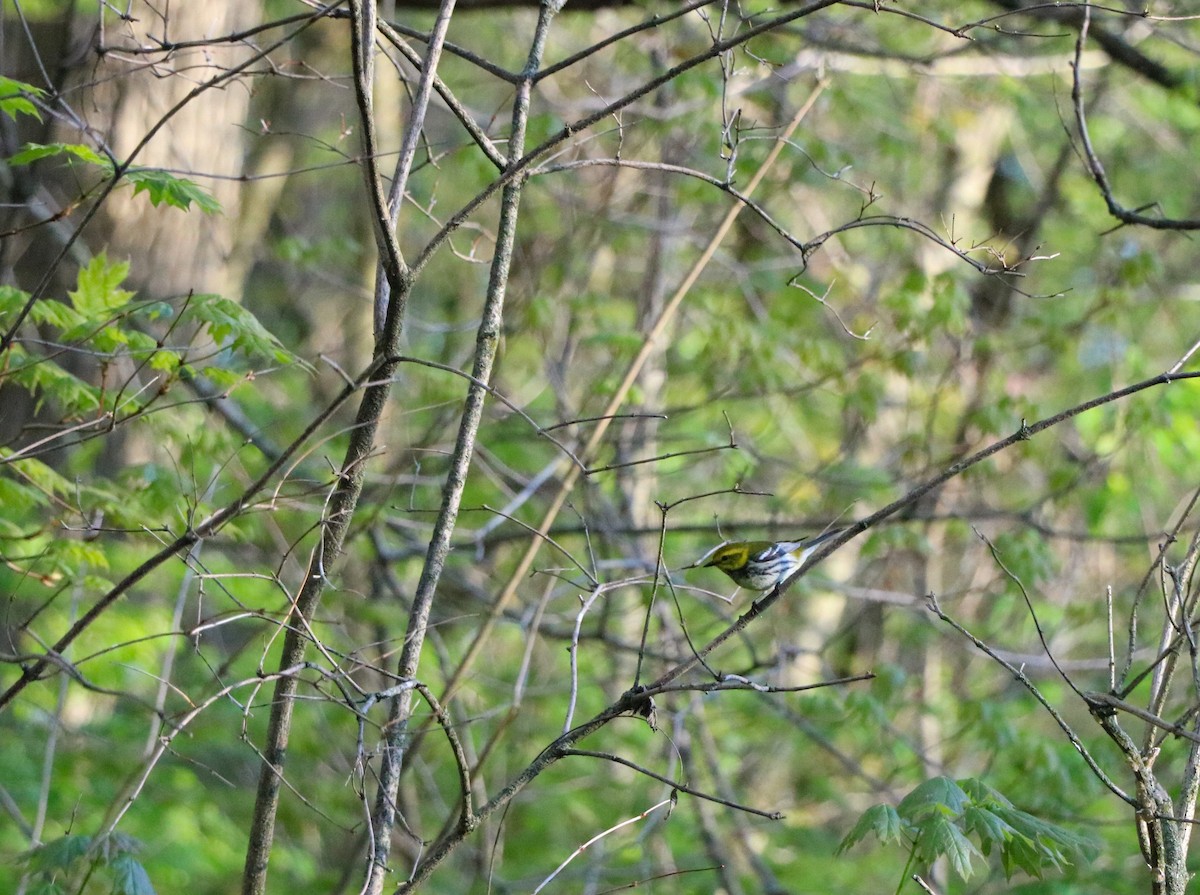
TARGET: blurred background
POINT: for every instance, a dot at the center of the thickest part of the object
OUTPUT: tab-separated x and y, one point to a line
927	264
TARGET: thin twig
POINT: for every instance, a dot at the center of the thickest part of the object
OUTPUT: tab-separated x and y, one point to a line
1108	700
1023	679
456	748
585	606
1032	612
1095	166
575	854
518	167
674	784
1112	647
613	416
1024	433
670	455
486	146
479	383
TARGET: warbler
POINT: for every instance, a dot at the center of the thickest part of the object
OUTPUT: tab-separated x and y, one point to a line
761	565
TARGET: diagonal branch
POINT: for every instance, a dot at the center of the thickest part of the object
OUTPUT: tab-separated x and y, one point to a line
1024	433
1095	166
486	146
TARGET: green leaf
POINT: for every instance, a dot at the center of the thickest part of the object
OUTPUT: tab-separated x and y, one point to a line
32	152
988	826
46	379
165	361
109	339
12	300
154	310
98	292
97	583
1049	844
1021	853
129	876
139	342
14	98
58	854
937	796
70	556
229	321
938	838
941	815
882	821
14	494
223	379
57	314
1025	554
981	793
38	474
163	186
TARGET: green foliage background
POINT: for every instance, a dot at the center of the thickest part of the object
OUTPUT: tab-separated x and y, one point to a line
821	391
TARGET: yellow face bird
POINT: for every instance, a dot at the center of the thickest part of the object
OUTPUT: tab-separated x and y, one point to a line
761	565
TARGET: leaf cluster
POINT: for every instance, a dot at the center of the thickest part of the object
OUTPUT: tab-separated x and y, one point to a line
961	820
85	864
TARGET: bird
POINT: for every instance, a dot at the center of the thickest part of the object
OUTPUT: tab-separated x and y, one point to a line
762	565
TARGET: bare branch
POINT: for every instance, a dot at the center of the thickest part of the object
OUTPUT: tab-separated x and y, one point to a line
1095	167
1021	677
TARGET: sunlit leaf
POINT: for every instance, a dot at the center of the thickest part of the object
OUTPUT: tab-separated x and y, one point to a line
32	152
165	187
230	322
15	98
99	290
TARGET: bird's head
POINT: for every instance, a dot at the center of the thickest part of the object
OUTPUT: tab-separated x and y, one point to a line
725	556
